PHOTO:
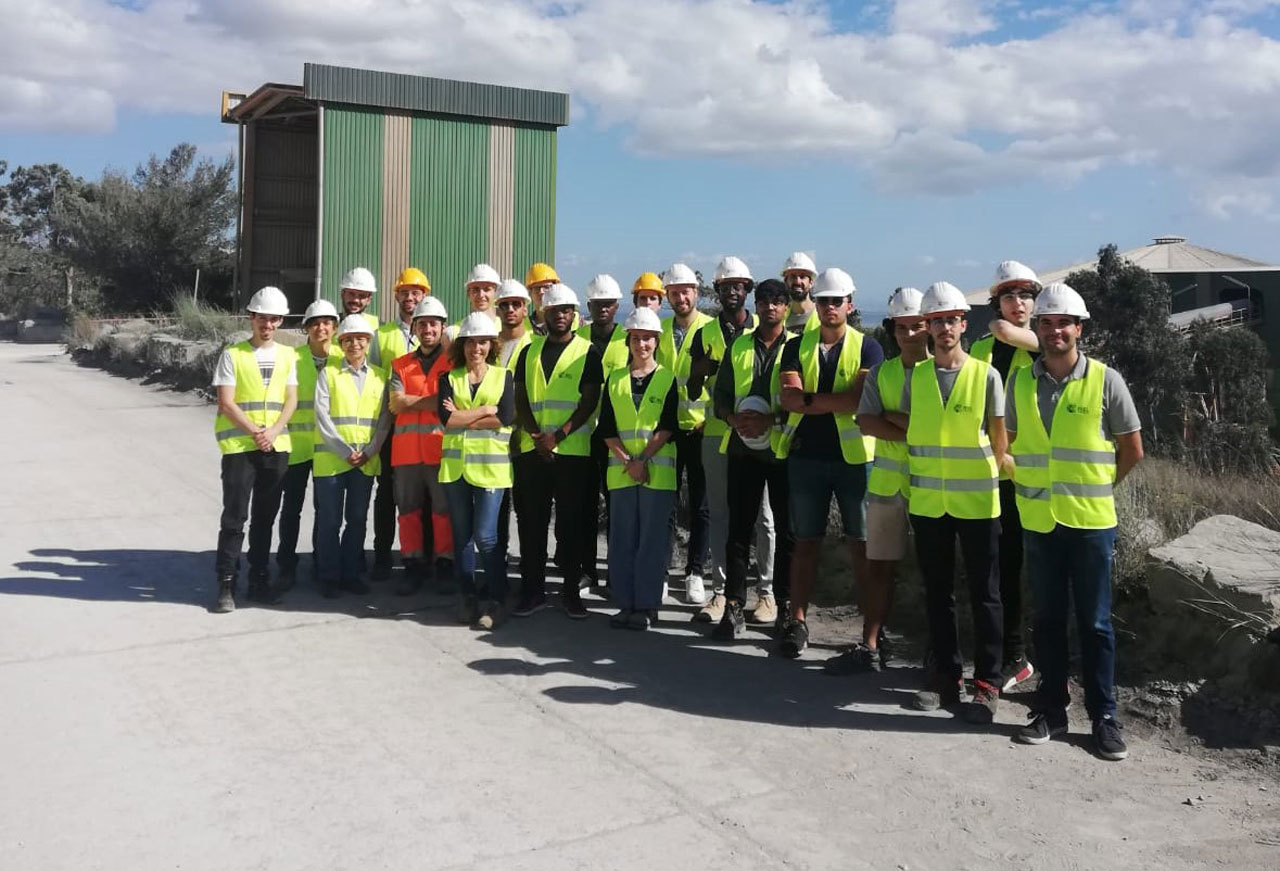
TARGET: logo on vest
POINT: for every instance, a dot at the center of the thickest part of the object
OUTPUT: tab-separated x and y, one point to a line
565	375
961	408
1072	408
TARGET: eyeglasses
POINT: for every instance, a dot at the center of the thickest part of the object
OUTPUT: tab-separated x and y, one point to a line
832	301
948	321
511	303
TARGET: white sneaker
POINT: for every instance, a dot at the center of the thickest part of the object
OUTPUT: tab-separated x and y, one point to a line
695	591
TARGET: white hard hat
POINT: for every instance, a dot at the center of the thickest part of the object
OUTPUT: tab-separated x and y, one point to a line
1060	299
1010	272
602	287
732	268
512	289
478	325
359	279
833	281
321	308
759	405
483	273
355	325
943	296
430	307
679	275
559	294
269	301
800	262
905	303
643	319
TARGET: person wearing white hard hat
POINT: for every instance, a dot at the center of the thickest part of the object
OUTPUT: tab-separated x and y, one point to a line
558	380
320	321
733	282
482	286
1010	345
827	455
637	421
799	274
675	353
356	291
953	414
746	397
416	443
1074	435
352	421
889	482
477	408
257	385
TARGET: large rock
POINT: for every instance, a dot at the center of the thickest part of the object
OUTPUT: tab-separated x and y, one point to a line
1229	559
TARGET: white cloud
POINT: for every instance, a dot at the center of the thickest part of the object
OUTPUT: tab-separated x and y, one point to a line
935	99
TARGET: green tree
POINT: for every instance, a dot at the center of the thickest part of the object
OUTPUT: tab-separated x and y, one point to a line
1227	413
34	267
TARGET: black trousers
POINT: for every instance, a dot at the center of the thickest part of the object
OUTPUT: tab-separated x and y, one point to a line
747	478
689	467
590	534
384	507
253	479
568	484
1011	572
936	553
292	497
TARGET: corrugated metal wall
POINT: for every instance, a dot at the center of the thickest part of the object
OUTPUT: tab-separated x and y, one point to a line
534	202
353	184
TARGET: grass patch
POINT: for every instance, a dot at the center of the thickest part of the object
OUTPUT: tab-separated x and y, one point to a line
199	322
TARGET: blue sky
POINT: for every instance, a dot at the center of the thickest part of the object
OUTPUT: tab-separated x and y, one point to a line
905	141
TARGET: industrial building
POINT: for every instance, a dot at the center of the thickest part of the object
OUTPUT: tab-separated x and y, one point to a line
384	170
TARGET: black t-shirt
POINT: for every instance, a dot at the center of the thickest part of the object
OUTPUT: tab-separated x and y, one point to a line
817	436
506	405
607	427
592	370
1002	357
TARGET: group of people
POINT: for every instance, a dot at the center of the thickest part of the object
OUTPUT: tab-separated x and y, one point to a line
765	415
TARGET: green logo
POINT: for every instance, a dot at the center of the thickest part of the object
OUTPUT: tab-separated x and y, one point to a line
960	408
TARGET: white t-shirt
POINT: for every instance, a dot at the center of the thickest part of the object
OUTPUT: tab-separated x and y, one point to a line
225	373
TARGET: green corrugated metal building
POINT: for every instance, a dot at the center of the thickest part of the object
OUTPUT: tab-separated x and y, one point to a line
384	170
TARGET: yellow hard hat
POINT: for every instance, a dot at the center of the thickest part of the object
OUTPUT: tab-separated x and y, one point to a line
540	273
413	277
650	282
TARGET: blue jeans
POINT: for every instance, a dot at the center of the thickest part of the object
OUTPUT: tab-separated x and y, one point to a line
338	497
638	538
473	512
1073	565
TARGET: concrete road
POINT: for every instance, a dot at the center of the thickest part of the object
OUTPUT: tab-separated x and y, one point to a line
142	732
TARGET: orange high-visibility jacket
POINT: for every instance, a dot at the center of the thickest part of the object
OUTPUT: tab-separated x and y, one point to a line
418	435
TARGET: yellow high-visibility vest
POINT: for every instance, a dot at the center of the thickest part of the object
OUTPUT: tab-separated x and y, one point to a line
482	457
616	354
302	426
713	345
553	402
743	357
354	415
889	473
854	446
636	427
692	412
261	403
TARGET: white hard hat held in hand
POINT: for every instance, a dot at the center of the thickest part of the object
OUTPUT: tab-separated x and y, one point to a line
943	296
1060	299
269	301
758	405
359	279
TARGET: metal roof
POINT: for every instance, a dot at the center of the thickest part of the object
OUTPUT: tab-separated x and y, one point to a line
440	96
1166	255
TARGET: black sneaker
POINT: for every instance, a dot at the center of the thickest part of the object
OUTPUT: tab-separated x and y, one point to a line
573	607
858	659
619	620
261	591
732	624
981	710
1043	727
1107	741
795	638
1016	671
381	567
940	693
642	620
530	603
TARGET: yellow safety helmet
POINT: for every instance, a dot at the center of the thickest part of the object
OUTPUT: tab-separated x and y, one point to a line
413	277
540	273
649	281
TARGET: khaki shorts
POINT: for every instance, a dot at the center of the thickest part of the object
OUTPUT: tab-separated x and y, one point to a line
887	528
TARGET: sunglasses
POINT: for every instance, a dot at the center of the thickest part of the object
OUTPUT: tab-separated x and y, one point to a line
511	304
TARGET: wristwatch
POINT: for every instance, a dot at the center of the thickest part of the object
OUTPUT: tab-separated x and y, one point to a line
560	436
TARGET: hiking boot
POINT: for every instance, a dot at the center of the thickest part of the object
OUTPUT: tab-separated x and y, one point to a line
766	610
695	591
529	603
226	595
981	710
642	620
1016	671
381	567
468	612
1043	726
712	611
858	659
795	638
414	578
731	625
261	591
446	584
573	607
1107	742
620	620
940	693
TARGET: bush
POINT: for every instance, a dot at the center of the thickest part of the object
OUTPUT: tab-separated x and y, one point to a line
201	322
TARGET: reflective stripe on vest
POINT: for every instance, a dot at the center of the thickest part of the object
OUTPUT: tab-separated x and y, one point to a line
417	435
481	457
354	415
261	403
713	346
636	427
1065	476
691	412
854	446
616	354
953	470
889	472
743	361
553	402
